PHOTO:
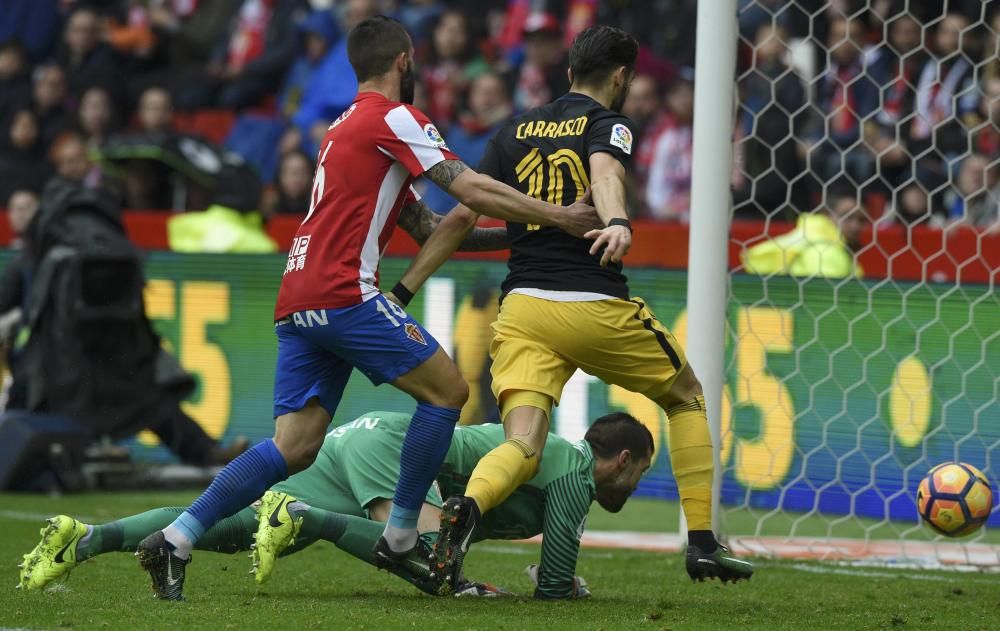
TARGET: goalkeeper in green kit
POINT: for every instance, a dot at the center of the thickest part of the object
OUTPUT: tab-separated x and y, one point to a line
342	497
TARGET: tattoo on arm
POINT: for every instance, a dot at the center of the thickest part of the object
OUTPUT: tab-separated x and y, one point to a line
485	239
419	221
444	173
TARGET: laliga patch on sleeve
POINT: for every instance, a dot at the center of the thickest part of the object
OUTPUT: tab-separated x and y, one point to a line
621	137
434	136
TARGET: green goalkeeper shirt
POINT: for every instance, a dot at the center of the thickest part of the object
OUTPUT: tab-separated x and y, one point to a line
555	502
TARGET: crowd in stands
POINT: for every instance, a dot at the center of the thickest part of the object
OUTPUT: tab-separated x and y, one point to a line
896	101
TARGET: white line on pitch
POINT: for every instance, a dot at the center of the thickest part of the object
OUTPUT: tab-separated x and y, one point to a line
820	569
17	515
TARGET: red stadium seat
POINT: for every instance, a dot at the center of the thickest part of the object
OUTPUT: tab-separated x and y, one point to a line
213	125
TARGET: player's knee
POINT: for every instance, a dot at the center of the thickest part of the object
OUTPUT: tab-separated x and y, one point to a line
299	436
454	394
685	387
536	440
299	452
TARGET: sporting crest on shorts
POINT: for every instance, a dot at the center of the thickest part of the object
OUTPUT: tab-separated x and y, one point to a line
413	332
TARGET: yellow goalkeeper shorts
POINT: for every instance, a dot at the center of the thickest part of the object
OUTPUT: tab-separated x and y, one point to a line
538	344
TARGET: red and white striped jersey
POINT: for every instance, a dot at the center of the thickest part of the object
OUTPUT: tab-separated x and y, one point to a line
368	159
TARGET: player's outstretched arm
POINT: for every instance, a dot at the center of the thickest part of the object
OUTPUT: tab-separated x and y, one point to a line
451	232
608	177
568	502
420	222
489	197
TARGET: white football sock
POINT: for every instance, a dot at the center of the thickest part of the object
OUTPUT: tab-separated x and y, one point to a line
400	539
181	544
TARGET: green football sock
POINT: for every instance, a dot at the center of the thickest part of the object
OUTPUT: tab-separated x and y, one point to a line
123	535
354	535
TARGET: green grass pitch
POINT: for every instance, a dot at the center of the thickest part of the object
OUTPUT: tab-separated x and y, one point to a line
323	588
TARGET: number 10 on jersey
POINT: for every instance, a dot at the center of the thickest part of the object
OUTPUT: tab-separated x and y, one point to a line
532	169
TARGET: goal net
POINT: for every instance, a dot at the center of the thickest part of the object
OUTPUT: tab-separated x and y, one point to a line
857	361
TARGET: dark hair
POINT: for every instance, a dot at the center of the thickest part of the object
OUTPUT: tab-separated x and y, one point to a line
295	153
614	432
470	41
840	188
600	50
15	46
373	44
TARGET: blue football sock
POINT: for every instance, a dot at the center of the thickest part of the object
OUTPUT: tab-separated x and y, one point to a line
424	448
239	484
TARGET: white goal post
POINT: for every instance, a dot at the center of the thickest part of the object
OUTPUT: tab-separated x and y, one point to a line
829	394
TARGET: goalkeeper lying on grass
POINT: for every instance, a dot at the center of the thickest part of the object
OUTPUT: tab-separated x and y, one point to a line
342	497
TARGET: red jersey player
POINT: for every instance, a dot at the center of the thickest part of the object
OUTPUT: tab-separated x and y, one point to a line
331	317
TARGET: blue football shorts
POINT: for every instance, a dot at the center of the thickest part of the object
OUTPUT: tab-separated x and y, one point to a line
318	348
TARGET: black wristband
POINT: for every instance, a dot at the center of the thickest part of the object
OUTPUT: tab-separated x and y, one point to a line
402	293
618	221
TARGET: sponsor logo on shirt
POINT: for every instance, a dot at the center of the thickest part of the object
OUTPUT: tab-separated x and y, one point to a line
297	255
621	137
413	332
434	136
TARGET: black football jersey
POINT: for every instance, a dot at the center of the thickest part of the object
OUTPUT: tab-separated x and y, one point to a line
545	153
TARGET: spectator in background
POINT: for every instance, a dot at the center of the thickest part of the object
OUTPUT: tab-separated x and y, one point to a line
292	188
845	97
258	48
643	103
319	34
48	101
666	27
449	66
21	207
489	107
419	16
986	134
15	77
913	207
770	121
129	30
823	243
35	23
643	106
72	161
86	59
975	196
542	76
258	137
22	155
96	118
156	111
186	32
991	47
895	66
333	88
668	186
946	93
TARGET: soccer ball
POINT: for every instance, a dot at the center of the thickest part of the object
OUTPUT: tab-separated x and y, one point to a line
954	499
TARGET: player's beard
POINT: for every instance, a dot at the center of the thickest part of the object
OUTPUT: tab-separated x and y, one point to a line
612	497
407	85
619	101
